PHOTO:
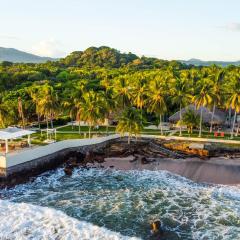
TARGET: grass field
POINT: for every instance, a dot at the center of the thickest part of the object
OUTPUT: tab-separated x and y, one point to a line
69	132
207	135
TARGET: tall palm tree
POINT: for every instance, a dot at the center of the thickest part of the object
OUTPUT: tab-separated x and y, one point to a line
3	112
156	99
34	92
217	76
80	88
93	108
139	92
49	103
202	98
110	105
234	98
131	122
181	93
109	99
20	111
191	120
70	106
122	91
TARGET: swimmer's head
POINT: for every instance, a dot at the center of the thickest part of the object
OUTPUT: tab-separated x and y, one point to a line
156	226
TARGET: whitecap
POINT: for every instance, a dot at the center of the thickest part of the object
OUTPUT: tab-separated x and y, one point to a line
23	221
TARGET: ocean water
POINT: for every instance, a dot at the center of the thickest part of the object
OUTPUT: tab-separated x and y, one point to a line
109	204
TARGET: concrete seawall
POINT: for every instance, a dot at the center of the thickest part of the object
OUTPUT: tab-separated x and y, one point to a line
19	166
46	157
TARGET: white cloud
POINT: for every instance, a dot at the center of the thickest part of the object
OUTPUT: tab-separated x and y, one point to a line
9	37
235	27
48	48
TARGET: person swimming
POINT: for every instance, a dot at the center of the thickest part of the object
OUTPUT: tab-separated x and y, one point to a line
159	233
156	229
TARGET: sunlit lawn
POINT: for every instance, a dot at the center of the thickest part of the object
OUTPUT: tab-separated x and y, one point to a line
207	135
86	129
69	132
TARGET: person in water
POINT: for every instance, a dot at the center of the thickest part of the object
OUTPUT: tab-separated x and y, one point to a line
156	230
158	233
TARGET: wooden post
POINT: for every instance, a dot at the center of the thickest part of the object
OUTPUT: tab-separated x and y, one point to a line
6	146
29	140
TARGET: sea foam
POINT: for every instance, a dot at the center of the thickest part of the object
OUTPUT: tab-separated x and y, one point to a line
22	221
124	202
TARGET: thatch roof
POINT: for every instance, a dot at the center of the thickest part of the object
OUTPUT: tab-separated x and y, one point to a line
219	116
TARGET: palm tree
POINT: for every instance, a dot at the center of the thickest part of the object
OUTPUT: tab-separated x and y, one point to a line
20	111
70	107
191	120
3	112
34	92
202	98
181	93
72	98
130	122
110	106
109	100
93	108
122	91
48	103
156	99
234	98
77	99
139	92
217	76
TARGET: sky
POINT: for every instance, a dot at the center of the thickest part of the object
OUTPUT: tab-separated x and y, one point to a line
167	29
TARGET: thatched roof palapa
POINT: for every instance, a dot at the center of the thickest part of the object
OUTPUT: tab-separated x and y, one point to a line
219	116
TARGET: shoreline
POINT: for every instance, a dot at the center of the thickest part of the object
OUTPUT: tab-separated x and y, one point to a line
212	171
151	154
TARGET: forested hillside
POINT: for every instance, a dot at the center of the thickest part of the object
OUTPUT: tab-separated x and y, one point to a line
16	56
64	88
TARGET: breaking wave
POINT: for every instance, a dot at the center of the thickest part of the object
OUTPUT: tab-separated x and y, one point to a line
125	202
26	221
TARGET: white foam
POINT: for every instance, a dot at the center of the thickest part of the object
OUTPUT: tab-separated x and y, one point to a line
22	221
194	211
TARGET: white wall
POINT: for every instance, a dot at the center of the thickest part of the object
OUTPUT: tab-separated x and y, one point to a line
31	154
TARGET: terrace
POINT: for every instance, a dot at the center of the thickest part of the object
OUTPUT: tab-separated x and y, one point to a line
11	139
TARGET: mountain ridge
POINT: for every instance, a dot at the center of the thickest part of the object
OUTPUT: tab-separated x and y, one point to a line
17	56
199	62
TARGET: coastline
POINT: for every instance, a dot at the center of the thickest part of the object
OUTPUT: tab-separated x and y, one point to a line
212	171
147	153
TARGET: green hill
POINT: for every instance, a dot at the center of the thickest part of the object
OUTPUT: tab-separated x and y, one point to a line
198	62
16	56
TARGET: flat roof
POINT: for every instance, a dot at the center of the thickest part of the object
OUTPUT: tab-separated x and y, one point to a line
13	132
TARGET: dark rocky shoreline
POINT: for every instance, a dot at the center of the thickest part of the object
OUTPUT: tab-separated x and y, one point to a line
221	165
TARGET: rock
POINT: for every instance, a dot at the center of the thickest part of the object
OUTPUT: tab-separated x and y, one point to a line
99	158
68	170
89	157
196	146
119	178
144	160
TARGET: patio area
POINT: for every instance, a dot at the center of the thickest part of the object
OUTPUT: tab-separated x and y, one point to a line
14	139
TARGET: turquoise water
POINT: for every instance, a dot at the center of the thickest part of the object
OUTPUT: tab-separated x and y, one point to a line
122	204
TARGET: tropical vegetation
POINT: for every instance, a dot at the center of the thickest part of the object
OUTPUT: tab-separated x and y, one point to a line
102	83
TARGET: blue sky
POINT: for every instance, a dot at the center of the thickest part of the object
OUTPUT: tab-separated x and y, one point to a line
168	29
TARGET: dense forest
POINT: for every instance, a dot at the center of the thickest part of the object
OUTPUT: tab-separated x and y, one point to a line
98	82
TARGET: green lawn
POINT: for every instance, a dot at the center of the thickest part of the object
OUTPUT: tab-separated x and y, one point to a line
86	129
206	135
68	133
39	139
